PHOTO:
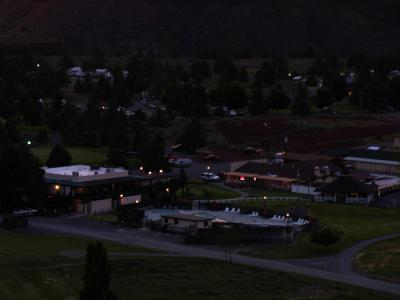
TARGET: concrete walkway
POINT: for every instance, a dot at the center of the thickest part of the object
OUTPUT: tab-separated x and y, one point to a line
134	237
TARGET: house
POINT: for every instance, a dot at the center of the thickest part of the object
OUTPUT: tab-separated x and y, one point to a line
378	161
303	174
346	189
92	190
181	222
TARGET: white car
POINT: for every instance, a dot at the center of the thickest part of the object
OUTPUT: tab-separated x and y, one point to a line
207	176
183	162
26	211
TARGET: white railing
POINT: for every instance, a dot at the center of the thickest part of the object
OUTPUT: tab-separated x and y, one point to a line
358	200
251	199
324	199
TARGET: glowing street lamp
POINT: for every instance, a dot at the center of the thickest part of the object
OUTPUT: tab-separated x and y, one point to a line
121	196
150	173
167	190
141	168
29	143
161	171
57	187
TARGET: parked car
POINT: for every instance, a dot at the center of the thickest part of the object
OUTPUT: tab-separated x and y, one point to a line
183	162
26	211
208	176
233	113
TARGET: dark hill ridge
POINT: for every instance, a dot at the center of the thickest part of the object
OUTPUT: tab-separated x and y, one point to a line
197	25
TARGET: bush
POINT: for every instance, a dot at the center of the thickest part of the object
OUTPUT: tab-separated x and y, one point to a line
326	237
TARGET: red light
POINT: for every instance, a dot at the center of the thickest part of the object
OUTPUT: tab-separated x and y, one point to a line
241	178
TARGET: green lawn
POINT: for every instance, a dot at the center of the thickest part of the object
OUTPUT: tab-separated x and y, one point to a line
21	249
202	190
80	155
262	192
31	269
381	260
357	223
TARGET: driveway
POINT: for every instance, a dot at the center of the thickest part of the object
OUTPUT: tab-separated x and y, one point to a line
172	244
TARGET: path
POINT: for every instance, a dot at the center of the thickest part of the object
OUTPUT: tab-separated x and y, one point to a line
343	262
134	237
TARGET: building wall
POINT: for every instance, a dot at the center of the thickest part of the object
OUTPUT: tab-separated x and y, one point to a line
185	224
303	189
260	182
100	206
373	167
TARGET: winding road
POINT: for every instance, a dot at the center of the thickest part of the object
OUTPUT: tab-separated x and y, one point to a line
336	268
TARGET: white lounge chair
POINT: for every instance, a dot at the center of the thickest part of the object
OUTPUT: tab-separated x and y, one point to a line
232	210
238	211
226	209
256	213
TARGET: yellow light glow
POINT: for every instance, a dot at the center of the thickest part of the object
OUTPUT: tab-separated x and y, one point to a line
121	195
57	187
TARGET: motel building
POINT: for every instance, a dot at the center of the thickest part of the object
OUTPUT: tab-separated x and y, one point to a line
96	190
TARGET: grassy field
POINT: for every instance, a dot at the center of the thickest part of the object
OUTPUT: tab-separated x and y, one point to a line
80	155
262	192
380	260
357	223
31	269
203	190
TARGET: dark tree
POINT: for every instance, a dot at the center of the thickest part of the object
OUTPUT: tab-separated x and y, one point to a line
116	157
59	157
278	99
194	135
243	75
233	94
339	88
323	98
152	154
97	277
266	75
301	105
21	177
325	237
199	70
257	101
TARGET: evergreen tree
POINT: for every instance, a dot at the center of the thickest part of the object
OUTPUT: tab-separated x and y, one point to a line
301	105
257	102
115	157
194	135
324	98
243	75
325	237
266	75
21	177
278	99
59	157
97	277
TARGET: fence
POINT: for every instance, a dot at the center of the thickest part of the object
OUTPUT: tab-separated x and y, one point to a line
251	199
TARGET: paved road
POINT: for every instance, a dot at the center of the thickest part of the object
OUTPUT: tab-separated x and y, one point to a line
170	244
341	263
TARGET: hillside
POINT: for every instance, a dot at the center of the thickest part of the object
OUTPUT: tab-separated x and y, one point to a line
190	26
